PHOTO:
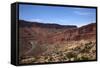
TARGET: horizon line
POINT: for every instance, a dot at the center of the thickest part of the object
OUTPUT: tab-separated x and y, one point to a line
56	23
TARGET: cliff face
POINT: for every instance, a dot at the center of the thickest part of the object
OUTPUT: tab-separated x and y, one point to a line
37	38
42	32
51	33
87	32
44	25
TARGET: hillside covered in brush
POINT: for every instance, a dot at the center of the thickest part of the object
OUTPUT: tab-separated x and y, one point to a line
41	42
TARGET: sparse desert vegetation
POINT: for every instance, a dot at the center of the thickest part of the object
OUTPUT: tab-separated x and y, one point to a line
81	50
42	43
52	33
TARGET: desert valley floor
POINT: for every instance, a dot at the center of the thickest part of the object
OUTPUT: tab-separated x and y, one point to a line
43	43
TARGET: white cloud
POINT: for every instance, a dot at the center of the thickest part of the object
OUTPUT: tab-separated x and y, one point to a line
40	20
82	13
35	20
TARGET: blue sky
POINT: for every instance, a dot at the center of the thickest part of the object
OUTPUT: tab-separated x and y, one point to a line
59	15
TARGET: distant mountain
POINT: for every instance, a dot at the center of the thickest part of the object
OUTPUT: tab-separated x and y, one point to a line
44	25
